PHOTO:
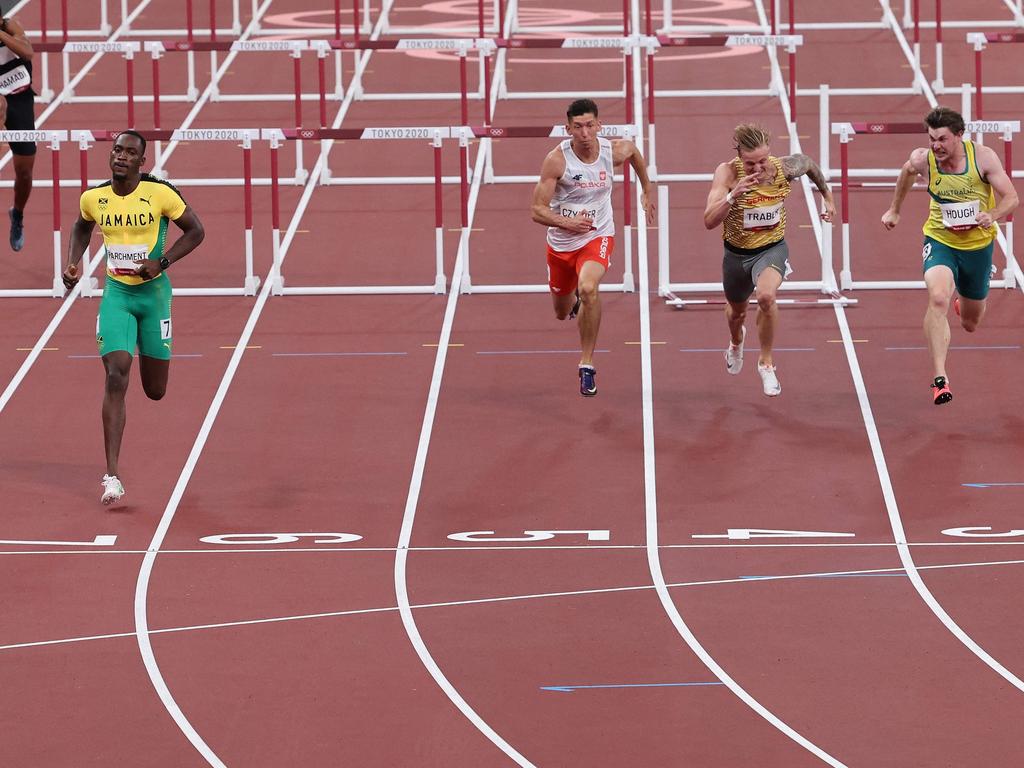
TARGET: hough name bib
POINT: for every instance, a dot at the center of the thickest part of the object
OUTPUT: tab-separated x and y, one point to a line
959	216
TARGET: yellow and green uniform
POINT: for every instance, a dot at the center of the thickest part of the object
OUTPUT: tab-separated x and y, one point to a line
952	238
134	312
758	217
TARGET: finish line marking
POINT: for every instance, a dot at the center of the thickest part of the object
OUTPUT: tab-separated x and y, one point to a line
484	600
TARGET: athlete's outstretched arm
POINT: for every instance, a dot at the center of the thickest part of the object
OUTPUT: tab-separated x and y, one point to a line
915	166
800	164
624	149
992	171
81	233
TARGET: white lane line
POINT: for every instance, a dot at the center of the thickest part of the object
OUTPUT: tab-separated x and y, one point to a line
651	491
142	583
415	485
509	598
881	469
896	522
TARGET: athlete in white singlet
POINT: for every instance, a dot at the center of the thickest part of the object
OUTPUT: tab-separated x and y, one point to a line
573	199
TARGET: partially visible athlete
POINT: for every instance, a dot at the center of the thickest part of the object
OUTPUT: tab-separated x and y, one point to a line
748	195
573	199
17	113
963	181
133	210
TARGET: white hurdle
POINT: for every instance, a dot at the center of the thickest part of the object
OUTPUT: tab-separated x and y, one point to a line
434	135
53	139
465	132
846	131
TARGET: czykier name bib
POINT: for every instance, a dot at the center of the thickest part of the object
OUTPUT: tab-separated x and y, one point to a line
125	259
960	216
762	218
15	81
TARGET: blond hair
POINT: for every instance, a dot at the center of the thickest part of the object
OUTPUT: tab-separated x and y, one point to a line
750	136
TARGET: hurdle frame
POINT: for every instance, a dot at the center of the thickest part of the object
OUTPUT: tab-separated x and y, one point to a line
1012	276
465	133
436	137
54	140
980	41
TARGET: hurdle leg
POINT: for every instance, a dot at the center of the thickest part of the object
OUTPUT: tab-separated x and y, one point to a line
58	283
277	281
252	283
663	241
439	279
467	285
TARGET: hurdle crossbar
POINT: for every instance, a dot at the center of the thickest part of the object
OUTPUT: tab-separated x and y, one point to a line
847	130
435	135
980	41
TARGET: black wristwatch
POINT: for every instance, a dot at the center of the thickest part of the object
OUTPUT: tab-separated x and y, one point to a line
3	25
164	262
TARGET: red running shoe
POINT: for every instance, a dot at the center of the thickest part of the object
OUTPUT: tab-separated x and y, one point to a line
940	390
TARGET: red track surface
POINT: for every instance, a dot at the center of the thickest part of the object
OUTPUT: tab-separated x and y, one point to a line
296	653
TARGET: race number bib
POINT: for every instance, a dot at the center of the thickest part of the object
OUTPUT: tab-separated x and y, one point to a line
960	216
15	81
572	211
125	259
762	218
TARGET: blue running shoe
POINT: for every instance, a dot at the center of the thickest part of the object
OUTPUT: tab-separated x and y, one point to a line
17	228
588	383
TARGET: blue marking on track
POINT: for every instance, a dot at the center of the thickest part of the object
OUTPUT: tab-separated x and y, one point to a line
990	485
751	349
823	576
571	688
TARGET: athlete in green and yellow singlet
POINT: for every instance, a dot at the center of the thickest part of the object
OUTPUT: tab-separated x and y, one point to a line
133	211
964	180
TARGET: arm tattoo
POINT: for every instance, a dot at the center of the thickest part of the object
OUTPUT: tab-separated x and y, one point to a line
797	165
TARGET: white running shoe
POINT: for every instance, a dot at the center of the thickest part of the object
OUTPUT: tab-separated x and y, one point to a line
734	354
112	489
769	380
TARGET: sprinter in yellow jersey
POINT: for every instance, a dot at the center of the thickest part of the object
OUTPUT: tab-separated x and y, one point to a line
963	181
748	197
133	210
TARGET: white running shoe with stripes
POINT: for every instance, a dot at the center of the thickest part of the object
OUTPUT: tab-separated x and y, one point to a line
734	354
112	489
769	381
